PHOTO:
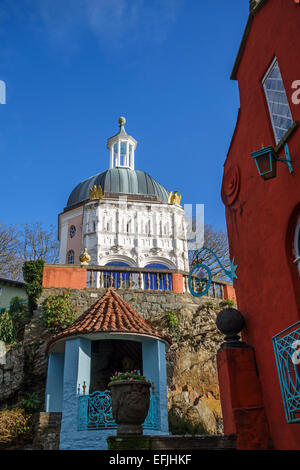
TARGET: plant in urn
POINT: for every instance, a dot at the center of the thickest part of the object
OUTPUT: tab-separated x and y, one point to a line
130	394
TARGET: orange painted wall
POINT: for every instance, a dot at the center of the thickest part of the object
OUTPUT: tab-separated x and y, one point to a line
177	283
71	278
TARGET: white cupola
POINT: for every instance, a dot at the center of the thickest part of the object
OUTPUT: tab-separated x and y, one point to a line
121	147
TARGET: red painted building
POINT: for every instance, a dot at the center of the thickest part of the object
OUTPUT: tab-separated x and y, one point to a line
263	215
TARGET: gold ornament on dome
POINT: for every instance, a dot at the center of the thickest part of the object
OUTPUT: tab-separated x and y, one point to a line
174	198
84	258
96	193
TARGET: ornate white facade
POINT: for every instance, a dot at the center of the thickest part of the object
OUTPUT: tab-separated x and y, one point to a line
131	222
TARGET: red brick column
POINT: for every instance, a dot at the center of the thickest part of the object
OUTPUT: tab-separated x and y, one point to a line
241	398
67	277
177	283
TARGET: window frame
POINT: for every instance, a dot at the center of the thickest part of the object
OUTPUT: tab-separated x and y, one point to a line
263	82
297	245
68	254
74	233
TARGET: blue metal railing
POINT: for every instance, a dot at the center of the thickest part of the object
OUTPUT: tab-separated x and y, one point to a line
287	356
95	412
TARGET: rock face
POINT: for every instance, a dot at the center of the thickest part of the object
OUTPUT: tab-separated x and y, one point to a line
193	392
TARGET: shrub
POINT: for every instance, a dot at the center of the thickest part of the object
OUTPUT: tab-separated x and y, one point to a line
173	325
7	330
208	304
227	303
14	424
31	402
58	312
181	426
20	316
33	275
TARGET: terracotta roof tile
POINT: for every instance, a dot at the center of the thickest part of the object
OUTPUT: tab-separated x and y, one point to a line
109	314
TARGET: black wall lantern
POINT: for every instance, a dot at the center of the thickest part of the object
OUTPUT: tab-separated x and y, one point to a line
266	161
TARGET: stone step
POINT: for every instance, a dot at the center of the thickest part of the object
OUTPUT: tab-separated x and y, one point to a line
194	442
186	442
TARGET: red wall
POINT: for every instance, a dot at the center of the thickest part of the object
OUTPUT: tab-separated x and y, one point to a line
261	214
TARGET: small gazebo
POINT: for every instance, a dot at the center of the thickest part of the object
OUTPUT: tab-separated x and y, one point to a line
110	336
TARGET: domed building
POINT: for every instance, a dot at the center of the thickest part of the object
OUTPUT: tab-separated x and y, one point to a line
123	216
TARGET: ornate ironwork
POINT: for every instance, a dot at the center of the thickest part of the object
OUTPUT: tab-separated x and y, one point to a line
288	360
204	283
95	412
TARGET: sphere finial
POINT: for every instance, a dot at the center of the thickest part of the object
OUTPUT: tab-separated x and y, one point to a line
122	121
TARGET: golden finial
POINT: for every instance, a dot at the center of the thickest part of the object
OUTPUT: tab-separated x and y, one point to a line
174	198
96	193
84	258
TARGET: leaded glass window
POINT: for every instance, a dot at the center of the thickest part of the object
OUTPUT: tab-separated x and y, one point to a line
279	109
71	257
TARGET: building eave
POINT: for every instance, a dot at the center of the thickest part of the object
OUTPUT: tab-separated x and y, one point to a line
243	43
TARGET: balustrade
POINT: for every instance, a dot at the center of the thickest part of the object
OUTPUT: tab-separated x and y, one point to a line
121	277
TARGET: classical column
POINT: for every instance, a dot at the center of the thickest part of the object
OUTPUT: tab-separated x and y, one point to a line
155	370
111	156
54	384
77	370
127	154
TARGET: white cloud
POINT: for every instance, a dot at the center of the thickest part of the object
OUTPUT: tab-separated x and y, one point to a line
117	23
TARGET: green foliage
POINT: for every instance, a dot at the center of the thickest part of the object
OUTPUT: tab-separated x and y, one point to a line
20	316
173	325
31	402
133	375
58	312
7	330
14	424
181	426
172	320
208	305
33	275
226	303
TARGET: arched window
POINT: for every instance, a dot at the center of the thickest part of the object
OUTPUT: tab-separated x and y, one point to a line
70	257
72	231
115	278
157	281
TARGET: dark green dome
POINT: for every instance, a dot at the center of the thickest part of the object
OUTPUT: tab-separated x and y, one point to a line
119	181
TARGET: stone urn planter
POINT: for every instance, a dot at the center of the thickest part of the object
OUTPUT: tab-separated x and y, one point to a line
130	404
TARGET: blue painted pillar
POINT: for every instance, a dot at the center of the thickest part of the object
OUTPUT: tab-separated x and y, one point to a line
155	370
54	384
77	369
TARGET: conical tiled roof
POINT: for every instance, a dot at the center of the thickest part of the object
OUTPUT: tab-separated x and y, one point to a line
110	314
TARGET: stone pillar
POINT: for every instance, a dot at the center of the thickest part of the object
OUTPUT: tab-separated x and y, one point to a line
155	370
240	390
229	292
54	384
177	283
77	369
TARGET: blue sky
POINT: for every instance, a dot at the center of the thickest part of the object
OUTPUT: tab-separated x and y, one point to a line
72	67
